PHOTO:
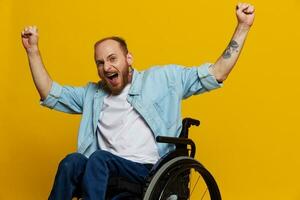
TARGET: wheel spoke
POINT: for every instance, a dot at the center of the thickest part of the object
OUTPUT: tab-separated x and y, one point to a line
191	193
195	185
204	194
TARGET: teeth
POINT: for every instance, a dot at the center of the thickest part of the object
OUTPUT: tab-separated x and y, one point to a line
110	74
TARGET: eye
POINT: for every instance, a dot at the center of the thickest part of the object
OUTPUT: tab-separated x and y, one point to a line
112	59
99	64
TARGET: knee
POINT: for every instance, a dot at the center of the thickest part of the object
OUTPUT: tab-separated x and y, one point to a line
73	160
100	156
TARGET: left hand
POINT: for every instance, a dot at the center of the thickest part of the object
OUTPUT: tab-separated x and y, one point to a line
245	14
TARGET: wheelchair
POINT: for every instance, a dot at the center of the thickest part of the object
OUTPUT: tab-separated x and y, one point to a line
176	176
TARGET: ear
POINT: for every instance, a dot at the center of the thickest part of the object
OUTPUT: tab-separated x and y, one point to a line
129	58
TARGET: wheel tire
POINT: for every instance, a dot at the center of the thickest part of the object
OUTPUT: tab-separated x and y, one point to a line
174	167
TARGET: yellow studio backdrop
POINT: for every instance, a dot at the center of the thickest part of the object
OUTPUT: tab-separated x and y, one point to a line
249	134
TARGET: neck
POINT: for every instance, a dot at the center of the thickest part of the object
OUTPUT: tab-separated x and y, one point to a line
130	74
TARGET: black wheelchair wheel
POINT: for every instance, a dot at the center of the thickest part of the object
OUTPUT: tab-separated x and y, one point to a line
182	178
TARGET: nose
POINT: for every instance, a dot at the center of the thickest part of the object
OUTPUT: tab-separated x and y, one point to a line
107	66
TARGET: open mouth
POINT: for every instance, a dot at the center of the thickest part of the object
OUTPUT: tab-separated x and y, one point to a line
112	78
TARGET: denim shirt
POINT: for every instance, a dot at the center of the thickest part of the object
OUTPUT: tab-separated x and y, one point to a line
155	94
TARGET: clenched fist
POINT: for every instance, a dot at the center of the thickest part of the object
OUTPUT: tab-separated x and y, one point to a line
30	38
245	14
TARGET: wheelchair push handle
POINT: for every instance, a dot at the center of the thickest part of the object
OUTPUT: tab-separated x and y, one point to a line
183	139
190	122
186	124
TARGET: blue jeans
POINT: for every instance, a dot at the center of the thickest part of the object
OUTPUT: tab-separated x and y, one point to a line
88	177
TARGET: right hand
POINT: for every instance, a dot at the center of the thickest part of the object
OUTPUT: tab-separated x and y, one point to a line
30	38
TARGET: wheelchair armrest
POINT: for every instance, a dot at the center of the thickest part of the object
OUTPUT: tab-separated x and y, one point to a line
178	142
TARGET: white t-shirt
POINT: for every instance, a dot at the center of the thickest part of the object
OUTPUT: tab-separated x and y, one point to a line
123	132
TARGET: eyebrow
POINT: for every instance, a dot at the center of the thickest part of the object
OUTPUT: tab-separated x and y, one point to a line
101	61
110	55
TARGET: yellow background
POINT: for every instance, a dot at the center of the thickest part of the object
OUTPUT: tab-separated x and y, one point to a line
249	137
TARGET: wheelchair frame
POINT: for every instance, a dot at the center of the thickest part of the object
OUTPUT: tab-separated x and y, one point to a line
180	160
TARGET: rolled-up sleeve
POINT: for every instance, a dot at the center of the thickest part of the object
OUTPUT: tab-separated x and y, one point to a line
53	96
196	80
208	80
67	99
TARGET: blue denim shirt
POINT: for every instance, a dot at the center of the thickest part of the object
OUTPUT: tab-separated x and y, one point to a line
156	95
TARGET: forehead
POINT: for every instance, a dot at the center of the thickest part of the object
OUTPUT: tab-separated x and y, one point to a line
108	47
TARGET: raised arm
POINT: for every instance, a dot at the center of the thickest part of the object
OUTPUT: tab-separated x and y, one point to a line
224	65
40	76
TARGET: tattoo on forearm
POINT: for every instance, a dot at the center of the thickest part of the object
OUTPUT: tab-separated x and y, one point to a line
233	46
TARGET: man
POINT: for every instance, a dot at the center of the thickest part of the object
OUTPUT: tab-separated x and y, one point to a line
126	110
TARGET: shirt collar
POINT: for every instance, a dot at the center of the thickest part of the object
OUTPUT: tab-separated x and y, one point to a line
136	84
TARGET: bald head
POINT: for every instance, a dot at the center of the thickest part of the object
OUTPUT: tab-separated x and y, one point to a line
121	42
